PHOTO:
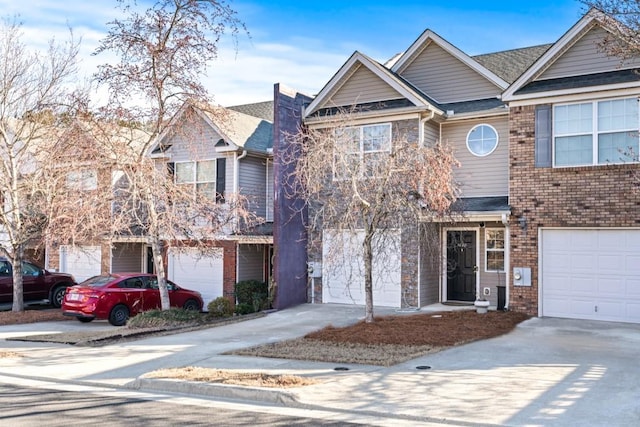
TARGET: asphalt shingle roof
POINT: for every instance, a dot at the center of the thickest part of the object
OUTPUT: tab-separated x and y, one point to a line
482	204
262	110
510	64
573	82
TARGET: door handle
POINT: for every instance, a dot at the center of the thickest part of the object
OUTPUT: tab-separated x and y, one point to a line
475	268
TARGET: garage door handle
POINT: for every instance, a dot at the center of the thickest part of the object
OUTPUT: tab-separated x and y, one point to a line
596	308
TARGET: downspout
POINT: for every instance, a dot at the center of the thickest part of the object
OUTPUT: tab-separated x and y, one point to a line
424	120
236	171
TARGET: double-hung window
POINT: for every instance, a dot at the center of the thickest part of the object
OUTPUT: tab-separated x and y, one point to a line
86	179
361	150
596	133
199	175
494	241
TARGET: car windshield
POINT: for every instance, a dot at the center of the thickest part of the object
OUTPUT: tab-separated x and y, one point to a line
98	280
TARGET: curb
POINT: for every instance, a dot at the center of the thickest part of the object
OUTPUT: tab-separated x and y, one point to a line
268	395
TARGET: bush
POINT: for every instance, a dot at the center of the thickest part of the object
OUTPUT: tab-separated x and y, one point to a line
251	296
167	318
220	307
244	309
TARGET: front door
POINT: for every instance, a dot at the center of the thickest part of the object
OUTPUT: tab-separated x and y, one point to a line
461	265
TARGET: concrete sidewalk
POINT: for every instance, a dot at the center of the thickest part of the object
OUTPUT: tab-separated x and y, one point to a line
547	372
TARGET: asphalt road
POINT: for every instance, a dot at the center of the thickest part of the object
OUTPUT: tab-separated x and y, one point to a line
25	407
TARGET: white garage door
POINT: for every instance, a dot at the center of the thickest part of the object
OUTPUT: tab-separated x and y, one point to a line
343	269
591	274
81	261
199	273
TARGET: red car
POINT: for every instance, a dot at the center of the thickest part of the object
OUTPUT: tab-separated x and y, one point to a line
117	296
38	284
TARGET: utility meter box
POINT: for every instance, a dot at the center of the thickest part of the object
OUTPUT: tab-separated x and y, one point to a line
314	269
521	276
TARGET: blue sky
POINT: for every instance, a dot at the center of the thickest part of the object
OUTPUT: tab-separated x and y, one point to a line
303	43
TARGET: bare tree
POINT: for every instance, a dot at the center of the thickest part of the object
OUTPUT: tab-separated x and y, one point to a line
163	51
371	182
34	93
622	19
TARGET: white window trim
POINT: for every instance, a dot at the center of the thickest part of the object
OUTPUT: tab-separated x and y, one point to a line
83	179
594	132
474	128
503	250
195	182
361	151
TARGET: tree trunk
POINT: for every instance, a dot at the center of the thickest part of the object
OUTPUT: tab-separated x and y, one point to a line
368	276
18	290
161	274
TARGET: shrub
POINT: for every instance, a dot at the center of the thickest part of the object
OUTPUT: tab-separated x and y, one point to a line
220	307
251	296
244	308
167	318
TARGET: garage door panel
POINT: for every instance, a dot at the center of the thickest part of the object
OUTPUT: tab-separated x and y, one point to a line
557	262
611	264
632	264
81	261
632	289
633	312
582	262
584	307
611	309
582	285
191	270
612	287
343	269
602	275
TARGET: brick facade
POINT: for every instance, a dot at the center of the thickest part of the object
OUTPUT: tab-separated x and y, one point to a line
591	196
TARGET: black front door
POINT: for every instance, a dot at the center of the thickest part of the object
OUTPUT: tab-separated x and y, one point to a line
461	265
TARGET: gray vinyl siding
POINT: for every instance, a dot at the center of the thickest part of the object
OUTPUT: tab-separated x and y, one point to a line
362	86
584	57
126	258
253	181
196	141
430	264
446	78
480	176
251	262
431	132
269	192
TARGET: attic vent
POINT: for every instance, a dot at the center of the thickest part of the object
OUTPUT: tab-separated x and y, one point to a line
221	143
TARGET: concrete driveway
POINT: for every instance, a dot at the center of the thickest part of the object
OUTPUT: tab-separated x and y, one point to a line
548	372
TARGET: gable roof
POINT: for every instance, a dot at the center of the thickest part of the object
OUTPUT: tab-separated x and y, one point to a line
244	131
428	37
238	130
413	95
526	83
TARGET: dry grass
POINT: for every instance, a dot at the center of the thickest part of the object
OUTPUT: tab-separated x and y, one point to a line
255	379
32	315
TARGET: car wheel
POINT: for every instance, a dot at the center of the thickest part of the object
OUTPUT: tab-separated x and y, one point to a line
119	315
191	304
84	319
57	295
